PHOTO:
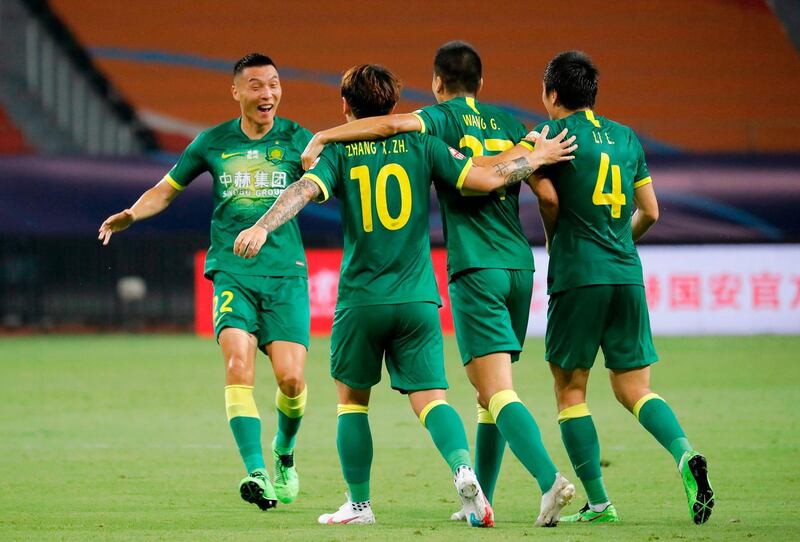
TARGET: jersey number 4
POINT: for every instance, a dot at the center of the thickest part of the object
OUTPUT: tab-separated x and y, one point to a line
361	174
616	199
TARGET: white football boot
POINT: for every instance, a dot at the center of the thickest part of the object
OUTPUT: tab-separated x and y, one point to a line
350	513
476	509
556	498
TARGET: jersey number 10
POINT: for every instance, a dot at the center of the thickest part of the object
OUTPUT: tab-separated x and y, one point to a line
361	174
616	199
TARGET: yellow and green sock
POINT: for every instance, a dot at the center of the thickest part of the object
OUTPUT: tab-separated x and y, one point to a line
290	414
245	425
657	417
354	442
519	429
447	431
489	448
583	447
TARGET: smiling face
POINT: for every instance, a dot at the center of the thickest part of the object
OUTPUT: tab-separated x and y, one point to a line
258	91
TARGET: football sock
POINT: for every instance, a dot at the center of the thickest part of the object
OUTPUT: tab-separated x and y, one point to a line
583	447
657	417
489	448
520	430
245	424
354	442
290	413
445	426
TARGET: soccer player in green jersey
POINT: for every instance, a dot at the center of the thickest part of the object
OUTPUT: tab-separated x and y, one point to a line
597	297
388	300
490	263
260	303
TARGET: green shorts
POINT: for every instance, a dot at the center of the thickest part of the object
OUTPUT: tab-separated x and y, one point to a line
270	308
409	335
490	311
611	316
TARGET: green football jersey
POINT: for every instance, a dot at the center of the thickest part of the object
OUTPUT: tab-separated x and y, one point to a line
480	230
593	243
248	176
383	188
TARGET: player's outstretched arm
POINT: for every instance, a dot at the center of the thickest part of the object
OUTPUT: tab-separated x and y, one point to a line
289	203
510	172
360	130
152	202
646	213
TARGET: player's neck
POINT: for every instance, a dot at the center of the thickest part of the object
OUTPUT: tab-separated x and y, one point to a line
254	130
562	112
446	96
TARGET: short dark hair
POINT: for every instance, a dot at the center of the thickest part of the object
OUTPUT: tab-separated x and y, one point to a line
370	90
574	78
459	66
252	60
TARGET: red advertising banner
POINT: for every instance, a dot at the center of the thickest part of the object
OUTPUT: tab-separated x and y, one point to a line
323	284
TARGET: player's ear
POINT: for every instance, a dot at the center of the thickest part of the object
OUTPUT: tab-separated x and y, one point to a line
346	108
480	86
437	86
234	92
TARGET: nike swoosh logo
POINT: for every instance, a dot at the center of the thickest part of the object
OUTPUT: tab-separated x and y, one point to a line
228	155
576	467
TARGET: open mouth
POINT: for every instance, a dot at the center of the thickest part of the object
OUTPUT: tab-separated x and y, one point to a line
265	108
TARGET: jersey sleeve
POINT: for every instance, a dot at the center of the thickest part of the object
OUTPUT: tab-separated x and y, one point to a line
642	176
325	172
190	164
448	164
433	119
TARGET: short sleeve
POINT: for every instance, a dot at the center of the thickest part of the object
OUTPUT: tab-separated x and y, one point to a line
190	164
433	119
448	164
519	135
642	176
325	172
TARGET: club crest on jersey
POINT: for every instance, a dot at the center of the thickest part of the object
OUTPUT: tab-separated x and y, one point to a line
456	154
275	153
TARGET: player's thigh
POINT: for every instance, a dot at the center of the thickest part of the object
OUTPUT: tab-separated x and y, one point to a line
627	340
284	311
415	350
235	303
358	341
479	303
575	324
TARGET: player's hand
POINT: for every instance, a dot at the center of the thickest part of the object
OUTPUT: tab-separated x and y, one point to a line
557	149
115	223
249	242
312	152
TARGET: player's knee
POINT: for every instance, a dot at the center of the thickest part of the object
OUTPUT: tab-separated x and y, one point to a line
568	396
291	382
238	369
627	396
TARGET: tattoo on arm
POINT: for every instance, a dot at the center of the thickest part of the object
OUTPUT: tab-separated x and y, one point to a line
514	171
289	204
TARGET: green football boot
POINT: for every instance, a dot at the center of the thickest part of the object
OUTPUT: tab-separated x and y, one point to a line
287	483
694	471
587	515
255	488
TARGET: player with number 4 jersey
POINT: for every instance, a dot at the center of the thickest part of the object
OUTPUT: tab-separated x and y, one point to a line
388	299
597	297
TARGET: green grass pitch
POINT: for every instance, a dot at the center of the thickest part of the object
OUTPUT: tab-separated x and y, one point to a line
125	438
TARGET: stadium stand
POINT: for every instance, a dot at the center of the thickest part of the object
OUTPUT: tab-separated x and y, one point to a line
683	87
